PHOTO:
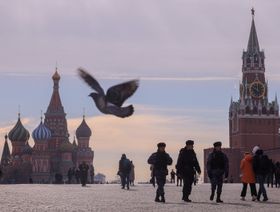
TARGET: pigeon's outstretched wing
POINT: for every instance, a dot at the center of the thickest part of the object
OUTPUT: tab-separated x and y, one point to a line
90	81
119	93
122	112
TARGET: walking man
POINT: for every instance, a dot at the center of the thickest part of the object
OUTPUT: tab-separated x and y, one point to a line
124	170
261	168
160	160
172	175
187	165
217	167
83	173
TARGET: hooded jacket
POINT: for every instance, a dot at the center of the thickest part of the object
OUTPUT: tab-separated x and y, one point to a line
246	167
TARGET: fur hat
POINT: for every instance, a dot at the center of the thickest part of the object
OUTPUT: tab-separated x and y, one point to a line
218	143
189	142
161	144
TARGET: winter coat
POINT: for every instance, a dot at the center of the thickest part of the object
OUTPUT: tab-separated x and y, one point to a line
124	166
187	163
246	167
217	164
160	160
261	163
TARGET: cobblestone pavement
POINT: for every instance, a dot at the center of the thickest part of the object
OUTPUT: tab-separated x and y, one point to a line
138	198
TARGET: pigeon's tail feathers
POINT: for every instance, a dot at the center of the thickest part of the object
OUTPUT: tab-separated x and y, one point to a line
121	112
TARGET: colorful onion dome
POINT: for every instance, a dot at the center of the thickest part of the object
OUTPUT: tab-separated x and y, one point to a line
56	76
41	133
27	150
66	147
83	130
19	133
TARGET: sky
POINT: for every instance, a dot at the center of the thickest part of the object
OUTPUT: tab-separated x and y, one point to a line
186	53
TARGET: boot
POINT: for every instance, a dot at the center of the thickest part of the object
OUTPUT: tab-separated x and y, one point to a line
212	196
157	198
162	198
187	199
218	200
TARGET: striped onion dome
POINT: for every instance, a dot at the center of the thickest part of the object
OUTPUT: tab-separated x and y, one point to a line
83	130
41	133
27	150
19	133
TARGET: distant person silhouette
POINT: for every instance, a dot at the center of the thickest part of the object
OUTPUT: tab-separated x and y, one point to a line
172	176
124	171
83	173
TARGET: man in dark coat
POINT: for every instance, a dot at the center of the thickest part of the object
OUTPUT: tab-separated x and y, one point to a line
261	165
160	160
217	166
124	170
83	172
187	166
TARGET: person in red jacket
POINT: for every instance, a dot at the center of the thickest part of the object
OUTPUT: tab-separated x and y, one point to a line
248	176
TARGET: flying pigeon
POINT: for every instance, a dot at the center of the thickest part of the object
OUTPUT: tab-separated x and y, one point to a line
112	101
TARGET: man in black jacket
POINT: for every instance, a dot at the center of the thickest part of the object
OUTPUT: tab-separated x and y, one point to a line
217	166
187	166
160	160
261	165
124	170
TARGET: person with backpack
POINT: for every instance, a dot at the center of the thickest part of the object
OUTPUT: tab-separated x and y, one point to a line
124	170
248	176
261	168
160	160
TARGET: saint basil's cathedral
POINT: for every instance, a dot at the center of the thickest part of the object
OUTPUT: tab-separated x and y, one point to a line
52	152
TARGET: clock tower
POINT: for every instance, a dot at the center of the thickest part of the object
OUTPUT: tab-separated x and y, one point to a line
253	119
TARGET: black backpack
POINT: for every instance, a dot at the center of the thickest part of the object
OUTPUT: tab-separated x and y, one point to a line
264	163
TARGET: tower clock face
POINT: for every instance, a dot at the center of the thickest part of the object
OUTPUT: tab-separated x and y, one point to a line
257	89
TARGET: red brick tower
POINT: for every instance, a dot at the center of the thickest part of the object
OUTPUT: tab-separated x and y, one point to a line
253	120
55	120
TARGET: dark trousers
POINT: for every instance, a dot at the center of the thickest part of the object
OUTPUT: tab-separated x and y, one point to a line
277	181
172	179
216	183
125	180
270	179
187	188
83	180
179	181
252	188
161	180
262	190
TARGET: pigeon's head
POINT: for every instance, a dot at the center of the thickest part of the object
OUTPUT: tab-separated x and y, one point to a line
94	95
